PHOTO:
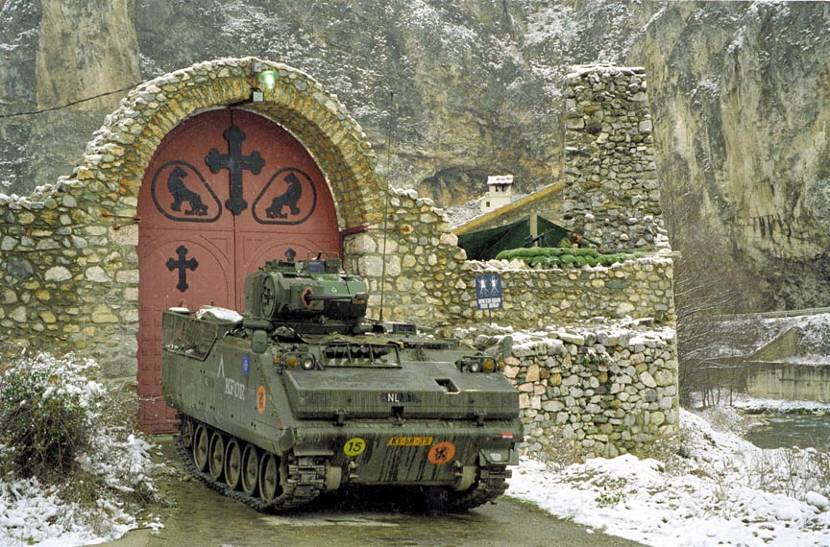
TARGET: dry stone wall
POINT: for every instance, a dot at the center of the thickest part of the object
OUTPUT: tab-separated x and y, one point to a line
611	187
534	298
69	283
602	390
428	279
422	259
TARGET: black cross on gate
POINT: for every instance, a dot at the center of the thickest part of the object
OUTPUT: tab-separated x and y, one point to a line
235	163
182	265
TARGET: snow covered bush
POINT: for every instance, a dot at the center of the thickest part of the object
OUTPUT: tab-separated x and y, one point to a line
72	471
47	411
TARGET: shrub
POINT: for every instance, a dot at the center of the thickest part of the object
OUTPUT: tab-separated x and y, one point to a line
609	498
48	409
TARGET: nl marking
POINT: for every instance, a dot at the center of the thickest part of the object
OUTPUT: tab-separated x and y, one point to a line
399	397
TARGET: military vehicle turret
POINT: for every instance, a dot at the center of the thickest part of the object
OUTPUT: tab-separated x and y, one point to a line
303	394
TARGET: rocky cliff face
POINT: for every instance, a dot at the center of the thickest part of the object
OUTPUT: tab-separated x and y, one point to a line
741	101
738	91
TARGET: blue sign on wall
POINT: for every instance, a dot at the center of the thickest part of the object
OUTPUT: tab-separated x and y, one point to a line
488	291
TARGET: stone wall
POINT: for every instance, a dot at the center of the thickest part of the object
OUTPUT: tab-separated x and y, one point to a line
611	189
69	283
603	390
423	261
534	298
68	256
70	269
428	279
71	278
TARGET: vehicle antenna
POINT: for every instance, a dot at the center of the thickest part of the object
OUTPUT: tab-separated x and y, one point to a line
389	131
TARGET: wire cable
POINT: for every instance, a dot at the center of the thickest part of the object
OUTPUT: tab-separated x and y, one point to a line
67	105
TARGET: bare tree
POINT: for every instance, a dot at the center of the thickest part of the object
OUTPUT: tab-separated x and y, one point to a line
708	281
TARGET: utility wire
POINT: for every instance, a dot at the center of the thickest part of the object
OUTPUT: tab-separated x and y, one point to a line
390	133
67	105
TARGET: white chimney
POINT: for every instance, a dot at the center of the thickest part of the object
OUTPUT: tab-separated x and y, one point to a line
499	192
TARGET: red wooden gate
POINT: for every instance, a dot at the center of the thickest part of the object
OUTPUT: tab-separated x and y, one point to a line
225	191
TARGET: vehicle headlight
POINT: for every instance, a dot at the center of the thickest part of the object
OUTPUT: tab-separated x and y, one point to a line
308	363
477	363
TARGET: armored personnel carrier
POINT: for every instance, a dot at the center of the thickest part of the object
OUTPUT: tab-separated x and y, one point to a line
302	394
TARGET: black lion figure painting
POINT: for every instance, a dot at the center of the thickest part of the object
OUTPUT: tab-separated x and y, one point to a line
288	199
182	194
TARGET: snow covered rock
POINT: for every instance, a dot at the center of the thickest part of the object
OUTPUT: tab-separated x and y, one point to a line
817	500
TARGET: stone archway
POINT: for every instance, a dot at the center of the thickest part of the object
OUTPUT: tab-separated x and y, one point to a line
158	108
94	274
295	101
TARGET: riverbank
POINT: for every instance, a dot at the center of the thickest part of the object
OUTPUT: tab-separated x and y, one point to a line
711	487
755	405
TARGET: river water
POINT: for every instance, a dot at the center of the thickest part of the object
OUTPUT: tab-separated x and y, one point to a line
787	430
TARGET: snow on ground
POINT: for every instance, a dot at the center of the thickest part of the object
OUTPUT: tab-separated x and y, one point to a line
745	334
32	513
809	359
754	405
722	491
118	462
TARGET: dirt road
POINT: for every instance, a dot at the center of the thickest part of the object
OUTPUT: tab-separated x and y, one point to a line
199	516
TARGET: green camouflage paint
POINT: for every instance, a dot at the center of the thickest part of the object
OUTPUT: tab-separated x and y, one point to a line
332	398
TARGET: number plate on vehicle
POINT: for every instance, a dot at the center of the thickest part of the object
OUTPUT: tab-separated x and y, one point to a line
409	441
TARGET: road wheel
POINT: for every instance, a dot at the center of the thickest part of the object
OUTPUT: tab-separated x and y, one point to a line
216	462
250	469
187	432
200	447
269	477
233	464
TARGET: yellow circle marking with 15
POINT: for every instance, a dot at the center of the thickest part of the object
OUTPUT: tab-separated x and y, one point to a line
354	447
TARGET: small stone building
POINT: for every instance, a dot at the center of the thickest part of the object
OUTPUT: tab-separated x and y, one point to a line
202	174
499	192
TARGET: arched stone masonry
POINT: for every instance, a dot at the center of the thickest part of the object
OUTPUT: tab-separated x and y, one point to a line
120	151
70	248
